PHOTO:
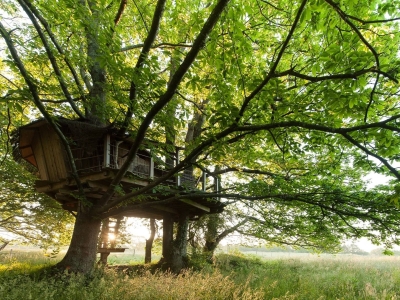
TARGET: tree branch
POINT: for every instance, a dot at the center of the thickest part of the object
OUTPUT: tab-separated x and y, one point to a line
353	75
228	231
165	98
121	9
160	45
364	149
345	18
142	57
46	26
275	64
51	57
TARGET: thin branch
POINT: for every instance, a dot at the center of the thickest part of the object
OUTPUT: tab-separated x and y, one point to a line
345	18
244	170
371	21
353	75
8	136
194	103
381	159
272	5
12	83
50	55
58	47
160	45
371	98
155	25
141	15
228	231
275	64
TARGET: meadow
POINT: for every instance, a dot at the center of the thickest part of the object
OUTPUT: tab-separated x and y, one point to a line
232	276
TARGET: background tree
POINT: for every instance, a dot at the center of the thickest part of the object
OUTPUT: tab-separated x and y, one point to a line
291	95
27	216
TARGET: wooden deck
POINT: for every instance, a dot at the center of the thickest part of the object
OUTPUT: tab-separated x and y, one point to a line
96	184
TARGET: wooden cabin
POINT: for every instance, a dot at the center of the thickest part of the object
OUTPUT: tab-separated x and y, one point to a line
98	154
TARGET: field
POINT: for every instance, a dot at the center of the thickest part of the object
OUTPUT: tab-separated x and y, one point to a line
233	276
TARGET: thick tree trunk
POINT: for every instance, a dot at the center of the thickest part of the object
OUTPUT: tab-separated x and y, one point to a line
81	254
149	241
174	254
179	259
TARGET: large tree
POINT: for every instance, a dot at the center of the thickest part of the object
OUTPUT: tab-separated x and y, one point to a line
291	95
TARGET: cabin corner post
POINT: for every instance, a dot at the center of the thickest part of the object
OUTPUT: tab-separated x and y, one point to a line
151	167
107	151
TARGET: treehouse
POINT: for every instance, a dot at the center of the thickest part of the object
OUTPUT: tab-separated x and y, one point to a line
98	153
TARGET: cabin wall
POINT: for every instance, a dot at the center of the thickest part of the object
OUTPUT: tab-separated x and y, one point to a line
40	158
139	165
49	155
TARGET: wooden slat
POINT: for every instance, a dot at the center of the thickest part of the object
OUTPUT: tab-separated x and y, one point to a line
165	208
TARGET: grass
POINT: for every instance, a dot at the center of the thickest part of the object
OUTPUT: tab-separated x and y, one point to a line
233	276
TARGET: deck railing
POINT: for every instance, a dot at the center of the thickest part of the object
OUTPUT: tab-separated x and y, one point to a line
143	165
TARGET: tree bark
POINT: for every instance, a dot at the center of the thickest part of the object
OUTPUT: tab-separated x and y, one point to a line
174	254
179	259
213	238
81	254
149	241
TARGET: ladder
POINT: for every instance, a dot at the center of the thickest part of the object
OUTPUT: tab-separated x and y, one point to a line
108	238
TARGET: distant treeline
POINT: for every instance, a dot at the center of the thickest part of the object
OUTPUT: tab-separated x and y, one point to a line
346	249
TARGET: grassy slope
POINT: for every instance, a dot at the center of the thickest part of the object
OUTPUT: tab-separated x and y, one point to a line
232	277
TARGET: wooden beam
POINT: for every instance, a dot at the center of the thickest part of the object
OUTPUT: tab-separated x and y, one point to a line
165	208
195	204
142	214
134	181
48	186
107	151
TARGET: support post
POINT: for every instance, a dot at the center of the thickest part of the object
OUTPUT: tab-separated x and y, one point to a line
151	167
178	178
107	151
167	239
204	182
216	184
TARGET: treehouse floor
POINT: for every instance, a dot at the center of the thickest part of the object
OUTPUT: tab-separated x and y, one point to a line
153	204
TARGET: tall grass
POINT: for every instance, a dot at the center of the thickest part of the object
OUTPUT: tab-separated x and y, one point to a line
231	277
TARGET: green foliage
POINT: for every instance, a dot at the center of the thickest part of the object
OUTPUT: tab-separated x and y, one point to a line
29	216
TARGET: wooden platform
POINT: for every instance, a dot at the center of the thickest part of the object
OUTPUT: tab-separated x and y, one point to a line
95	185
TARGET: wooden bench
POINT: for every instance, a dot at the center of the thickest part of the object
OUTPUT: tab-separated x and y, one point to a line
105	252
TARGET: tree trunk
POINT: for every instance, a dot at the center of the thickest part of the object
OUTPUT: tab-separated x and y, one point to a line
179	259
81	254
149	241
211	236
174	254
